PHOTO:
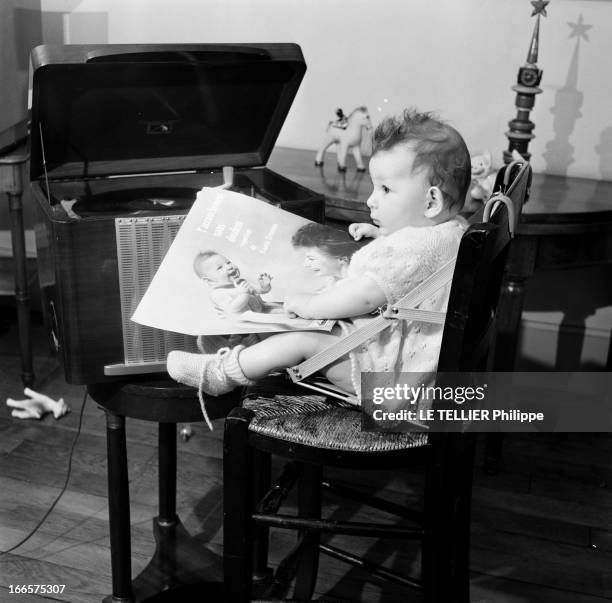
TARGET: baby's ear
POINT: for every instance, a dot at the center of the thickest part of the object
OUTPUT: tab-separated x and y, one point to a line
434	202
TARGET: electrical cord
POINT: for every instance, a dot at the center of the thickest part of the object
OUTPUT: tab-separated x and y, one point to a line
67	479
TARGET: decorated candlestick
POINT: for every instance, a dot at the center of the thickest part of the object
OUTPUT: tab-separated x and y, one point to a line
528	80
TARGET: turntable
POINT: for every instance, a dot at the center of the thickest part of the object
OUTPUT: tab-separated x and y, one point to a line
122	139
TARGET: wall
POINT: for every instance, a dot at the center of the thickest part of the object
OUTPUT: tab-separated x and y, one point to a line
459	57
20	29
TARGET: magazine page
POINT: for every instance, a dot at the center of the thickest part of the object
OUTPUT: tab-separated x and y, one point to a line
229	269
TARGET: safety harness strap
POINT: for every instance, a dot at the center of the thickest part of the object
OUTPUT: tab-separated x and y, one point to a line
403	309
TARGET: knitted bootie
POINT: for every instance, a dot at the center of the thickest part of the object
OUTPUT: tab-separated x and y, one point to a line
215	374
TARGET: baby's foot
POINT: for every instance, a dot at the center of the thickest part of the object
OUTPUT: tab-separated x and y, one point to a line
214	374
191	368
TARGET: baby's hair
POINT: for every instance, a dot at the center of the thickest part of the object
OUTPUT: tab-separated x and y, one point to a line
203	255
335	244
437	146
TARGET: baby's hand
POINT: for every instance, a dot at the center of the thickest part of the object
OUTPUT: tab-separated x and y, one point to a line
362	229
244	286
265	282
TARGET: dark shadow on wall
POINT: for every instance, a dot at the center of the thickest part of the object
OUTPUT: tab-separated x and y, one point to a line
559	153
603	274
604	150
580	292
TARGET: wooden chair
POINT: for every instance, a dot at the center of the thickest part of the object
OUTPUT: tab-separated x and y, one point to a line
313	432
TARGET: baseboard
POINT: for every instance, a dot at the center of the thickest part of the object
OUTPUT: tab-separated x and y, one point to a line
6	248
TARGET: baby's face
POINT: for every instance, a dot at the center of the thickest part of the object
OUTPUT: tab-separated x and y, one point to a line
399	196
218	269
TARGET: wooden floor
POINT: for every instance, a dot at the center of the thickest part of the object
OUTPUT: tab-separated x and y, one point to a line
542	528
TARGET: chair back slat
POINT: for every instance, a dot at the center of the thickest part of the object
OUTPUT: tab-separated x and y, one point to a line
477	281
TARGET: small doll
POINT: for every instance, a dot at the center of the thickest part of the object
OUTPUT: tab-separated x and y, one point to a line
36	405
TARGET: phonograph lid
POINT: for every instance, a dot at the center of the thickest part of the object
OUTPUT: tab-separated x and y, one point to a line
128	109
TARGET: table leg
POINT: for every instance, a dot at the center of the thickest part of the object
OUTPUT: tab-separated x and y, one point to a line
521	265
167	524
167	474
509	324
22	296
119	510
180	563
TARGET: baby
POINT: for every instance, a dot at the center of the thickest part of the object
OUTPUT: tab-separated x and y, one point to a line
230	292
420	170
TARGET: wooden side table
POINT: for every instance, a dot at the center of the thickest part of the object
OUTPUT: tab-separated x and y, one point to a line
566	224
181	569
12	175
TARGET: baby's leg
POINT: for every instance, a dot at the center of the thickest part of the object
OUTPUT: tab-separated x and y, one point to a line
284	350
221	372
339	373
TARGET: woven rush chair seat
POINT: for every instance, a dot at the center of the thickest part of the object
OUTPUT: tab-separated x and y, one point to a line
284	412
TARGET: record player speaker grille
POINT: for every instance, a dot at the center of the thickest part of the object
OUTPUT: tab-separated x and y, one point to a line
142	243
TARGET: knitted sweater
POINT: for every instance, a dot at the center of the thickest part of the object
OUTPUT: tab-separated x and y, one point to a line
397	263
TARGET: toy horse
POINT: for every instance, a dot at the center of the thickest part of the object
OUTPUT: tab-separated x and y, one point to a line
347	133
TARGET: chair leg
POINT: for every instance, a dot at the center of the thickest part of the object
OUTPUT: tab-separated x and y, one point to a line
445	560
262	574
237	498
493	453
436	555
269	504
461	522
309	506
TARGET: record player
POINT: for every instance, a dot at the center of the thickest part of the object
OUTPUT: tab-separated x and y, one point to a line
122	139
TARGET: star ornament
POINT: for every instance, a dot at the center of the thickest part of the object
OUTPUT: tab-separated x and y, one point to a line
539	7
579	29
